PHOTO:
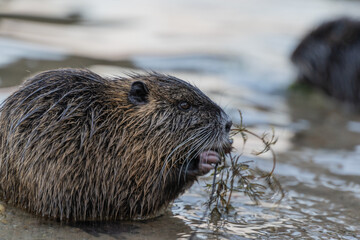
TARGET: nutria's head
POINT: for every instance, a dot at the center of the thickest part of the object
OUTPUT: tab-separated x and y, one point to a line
78	146
176	120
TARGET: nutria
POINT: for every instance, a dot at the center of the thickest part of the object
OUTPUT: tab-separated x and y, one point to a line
77	146
328	58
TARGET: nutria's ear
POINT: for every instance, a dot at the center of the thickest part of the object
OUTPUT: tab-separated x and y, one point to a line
138	93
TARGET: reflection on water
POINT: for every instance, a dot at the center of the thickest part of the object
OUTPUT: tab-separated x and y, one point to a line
238	54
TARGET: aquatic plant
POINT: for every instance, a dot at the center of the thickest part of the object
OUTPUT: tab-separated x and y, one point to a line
235	176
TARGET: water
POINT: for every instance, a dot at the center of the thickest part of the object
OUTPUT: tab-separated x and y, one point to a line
237	52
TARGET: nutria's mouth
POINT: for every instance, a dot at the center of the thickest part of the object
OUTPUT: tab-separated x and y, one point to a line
195	163
223	149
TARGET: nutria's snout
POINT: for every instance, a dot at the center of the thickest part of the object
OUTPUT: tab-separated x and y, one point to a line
225	147
228	126
228	146
209	158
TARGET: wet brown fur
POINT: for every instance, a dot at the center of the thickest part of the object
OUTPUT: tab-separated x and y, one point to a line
74	146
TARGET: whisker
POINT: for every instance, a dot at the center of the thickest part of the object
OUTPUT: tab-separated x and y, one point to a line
203	148
200	148
167	160
199	142
180	145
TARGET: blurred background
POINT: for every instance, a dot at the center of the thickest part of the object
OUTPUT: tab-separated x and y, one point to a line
237	52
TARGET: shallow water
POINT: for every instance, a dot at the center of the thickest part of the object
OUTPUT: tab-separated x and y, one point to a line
238	54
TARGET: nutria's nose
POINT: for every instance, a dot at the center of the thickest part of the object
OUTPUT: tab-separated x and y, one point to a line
228	126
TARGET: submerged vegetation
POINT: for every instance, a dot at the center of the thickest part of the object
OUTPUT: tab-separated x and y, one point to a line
235	176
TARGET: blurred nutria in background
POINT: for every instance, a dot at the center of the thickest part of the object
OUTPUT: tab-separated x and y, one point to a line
328	58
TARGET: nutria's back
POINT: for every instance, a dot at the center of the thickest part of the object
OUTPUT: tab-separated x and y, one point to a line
74	145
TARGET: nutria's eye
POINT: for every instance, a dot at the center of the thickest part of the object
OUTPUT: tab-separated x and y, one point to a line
184	106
